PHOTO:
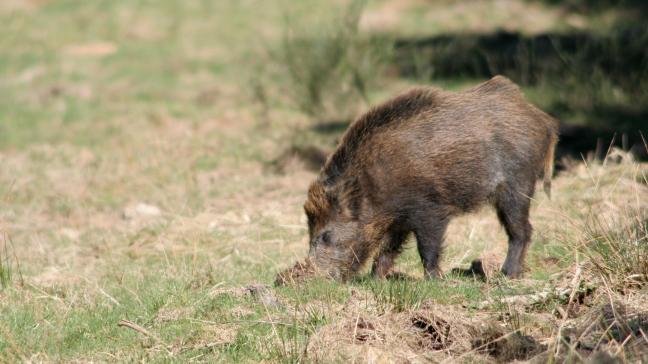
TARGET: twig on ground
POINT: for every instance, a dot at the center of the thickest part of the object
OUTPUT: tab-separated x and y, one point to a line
111	298
133	326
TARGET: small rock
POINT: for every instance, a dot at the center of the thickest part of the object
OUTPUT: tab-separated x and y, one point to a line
141	210
71	234
262	293
95	49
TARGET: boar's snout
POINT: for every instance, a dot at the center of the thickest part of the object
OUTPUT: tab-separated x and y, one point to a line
332	253
330	261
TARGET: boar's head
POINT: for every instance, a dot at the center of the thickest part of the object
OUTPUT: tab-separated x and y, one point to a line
341	239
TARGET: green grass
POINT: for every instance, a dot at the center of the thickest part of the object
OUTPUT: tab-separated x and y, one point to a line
401	295
619	253
6	272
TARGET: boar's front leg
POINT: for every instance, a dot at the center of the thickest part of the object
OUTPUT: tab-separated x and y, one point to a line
429	233
392	247
513	213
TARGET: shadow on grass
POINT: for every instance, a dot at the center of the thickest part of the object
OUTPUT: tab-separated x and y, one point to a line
597	5
620	56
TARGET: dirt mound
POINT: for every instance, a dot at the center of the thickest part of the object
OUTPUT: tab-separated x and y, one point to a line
505	347
433	332
296	274
259	292
608	328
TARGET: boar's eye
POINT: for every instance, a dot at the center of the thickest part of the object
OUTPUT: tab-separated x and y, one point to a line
325	238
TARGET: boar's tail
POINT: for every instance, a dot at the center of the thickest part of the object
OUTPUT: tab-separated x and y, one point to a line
549	163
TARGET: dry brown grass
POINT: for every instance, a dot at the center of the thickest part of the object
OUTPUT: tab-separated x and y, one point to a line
609	326
432	332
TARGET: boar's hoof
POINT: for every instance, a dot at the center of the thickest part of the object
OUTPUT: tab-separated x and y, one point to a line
433	274
512	272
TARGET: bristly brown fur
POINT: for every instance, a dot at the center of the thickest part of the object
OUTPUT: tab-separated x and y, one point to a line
412	163
402	107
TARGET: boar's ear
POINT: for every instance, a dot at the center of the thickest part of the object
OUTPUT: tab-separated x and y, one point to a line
317	206
317	199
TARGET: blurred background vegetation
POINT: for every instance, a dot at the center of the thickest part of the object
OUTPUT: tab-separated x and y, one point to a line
585	62
69	62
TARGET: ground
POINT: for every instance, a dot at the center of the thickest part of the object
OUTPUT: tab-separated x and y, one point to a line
143	216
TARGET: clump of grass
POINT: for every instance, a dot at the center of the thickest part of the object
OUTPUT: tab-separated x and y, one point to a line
331	69
399	295
289	336
7	267
6	274
289	342
619	256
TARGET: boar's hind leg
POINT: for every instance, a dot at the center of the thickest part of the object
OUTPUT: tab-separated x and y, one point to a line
513	213
392	247
429	238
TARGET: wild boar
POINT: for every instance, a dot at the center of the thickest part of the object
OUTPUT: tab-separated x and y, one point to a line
413	162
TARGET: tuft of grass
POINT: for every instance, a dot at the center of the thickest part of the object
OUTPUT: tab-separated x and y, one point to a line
6	274
290	342
619	256
8	268
400	295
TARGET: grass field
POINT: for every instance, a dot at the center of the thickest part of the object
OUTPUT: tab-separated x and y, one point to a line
142	216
